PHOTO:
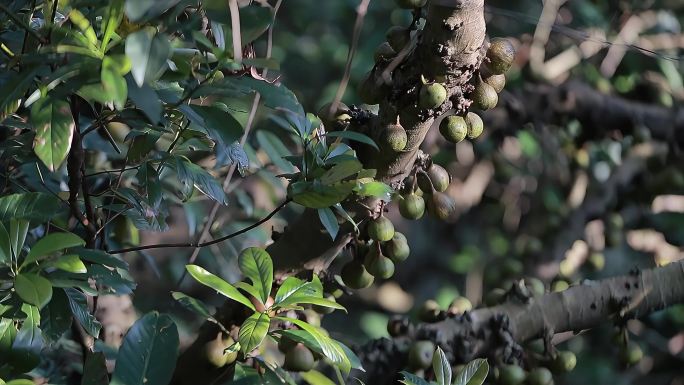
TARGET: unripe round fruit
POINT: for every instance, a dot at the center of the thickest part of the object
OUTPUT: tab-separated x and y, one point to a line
410	4
559	285
535	285
412	206
420	354
453	128
380	267
597	261
501	54
475	125
439	177
429	311
384	52
355	275
424	182
324	309
511	375
215	351
484	96
496	81
441	206
285	344
299	359
495	297
397	248
394	138
380	229
398	37
460	305
565	361
431	96
511	268
632	354
370	90
540	376
337	120
312	317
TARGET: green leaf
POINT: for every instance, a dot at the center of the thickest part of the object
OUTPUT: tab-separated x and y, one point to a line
313	377
329	347
275	149
18	230
293	287
256	264
196	306
441	367
191	174
353	135
56	317
33	289
375	189
412	379
253	331
474	373
79	308
113	82
52	243
95	369
101	258
5	246
111	22
83	24
7	333
13	88
254	19
148	52
148	353
20	381
318	196
329	221
145	99
206	278
34	206
54	127
142	10
341	171
71	263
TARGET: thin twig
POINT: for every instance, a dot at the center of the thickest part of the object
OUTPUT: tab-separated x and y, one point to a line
208	243
361	11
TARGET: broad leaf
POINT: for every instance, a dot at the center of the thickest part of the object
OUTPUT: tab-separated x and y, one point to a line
329	347
441	367
375	189
79	307
341	171
71	263
256	264
5	246
13	88
329	221
293	286
313	377
474	373
253	331
206	278
148	353
148	52
196	306
54	127
95	369
142	10
353	135
318	196
111	22
34	206
33	289
50	244
56	317
113	82
17	232
191	175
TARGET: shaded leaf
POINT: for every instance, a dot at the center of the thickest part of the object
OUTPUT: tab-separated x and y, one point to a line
56	317
329	221
94	369
79	308
353	135
191	175
51	243
142	10
33	289
34	206
148	353
148	52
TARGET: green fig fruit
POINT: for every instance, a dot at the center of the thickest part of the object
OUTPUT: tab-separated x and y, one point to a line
379	266
412	206
475	125
299	359
380	229
338	119
501	54
441	206
511	375
431	95
393	138
397	248
285	344
484	96
540	376
355	275
420	354
453	128
496	81
460	305
216	354
429	311
565	361
632	354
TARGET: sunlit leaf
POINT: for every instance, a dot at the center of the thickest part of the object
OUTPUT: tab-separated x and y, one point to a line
54	127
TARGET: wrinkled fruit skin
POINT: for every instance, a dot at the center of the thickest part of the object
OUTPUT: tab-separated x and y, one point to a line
380	229
439	177
384	52
398	37
299	359
355	275
215	352
540	376
565	361
511	375
497	81
431	96
394	138
453	128
380	266
412	206
501	54
410	4
397	248
441	206
475	125
484	96
420	354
